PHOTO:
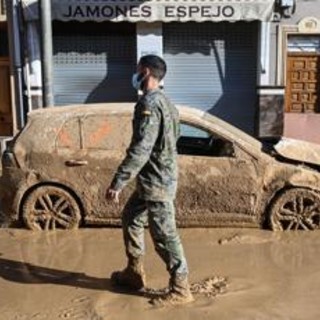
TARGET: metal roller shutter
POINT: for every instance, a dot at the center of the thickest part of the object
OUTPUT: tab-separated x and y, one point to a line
213	66
93	64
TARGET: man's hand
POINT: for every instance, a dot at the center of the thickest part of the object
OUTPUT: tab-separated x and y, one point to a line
113	195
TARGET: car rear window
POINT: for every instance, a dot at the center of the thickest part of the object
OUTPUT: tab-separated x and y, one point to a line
109	132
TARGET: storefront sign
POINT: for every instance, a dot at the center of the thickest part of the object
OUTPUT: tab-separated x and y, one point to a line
155	10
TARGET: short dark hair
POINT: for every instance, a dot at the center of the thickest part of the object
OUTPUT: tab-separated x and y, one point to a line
157	65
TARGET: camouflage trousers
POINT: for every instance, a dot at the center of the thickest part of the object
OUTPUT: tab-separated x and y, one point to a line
160	217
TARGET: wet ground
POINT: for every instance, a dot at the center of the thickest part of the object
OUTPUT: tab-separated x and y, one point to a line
65	275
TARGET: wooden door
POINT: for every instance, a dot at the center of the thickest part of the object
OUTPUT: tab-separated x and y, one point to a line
303	83
5	98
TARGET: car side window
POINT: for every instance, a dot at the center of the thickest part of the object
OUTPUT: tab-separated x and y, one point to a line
197	141
106	132
69	135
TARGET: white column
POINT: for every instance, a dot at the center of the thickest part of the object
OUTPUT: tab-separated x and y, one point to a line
149	39
264	54
35	71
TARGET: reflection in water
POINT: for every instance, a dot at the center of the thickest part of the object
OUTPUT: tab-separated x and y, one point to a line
60	250
284	251
295	251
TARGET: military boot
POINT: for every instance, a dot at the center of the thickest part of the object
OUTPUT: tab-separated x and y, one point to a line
132	277
179	293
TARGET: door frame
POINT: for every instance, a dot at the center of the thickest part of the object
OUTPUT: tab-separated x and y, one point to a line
5	62
306	26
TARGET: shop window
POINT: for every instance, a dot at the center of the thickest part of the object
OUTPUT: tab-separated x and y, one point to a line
200	142
69	135
302	43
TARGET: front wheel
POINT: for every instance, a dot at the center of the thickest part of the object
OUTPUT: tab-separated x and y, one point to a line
50	208
295	209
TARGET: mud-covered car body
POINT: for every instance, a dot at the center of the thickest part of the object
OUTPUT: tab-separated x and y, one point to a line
226	178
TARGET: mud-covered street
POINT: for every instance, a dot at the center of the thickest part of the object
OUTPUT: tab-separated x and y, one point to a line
65	275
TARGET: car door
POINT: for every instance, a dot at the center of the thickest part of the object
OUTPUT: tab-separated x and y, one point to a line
101	141
218	182
105	140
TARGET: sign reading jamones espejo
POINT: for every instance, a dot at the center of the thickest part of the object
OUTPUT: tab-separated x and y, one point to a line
124	12
187	10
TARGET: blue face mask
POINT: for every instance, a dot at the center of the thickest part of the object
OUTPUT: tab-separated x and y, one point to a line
137	80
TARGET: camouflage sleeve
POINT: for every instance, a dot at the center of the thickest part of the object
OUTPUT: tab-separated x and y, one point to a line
146	125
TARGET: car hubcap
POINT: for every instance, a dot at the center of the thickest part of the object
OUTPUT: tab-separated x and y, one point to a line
51	208
301	212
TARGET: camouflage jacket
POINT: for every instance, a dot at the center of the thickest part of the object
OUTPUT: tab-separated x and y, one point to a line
152	154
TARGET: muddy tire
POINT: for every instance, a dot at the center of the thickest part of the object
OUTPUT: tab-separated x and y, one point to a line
295	209
49	208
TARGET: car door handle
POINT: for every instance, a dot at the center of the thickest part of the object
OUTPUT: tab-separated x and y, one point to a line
76	163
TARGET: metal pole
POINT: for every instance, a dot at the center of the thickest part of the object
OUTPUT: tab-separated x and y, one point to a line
46	43
16	54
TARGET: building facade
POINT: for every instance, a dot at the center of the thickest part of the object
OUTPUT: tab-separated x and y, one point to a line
228	57
297	66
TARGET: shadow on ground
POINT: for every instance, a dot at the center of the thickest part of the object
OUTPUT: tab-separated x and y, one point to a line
28	273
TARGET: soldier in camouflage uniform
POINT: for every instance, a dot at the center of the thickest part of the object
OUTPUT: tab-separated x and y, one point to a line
152	158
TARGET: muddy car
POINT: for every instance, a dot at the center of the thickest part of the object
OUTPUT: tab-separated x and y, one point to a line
56	171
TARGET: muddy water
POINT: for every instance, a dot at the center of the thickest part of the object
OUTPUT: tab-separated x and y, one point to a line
65	275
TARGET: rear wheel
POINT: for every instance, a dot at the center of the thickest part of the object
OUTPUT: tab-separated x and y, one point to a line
295	209
50	208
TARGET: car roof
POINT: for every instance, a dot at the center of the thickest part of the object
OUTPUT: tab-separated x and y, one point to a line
187	113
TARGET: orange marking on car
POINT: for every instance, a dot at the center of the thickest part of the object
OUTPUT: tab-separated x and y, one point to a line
99	134
64	138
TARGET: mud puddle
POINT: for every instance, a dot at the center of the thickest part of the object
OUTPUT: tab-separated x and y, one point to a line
235	274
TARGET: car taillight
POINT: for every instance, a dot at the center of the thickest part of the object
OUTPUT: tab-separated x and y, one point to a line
8	160
9	144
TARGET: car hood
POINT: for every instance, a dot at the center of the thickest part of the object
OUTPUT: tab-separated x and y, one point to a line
298	150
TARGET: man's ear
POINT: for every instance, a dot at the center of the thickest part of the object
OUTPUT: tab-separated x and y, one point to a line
146	72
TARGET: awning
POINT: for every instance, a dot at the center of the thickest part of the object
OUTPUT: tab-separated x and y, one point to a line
154	10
